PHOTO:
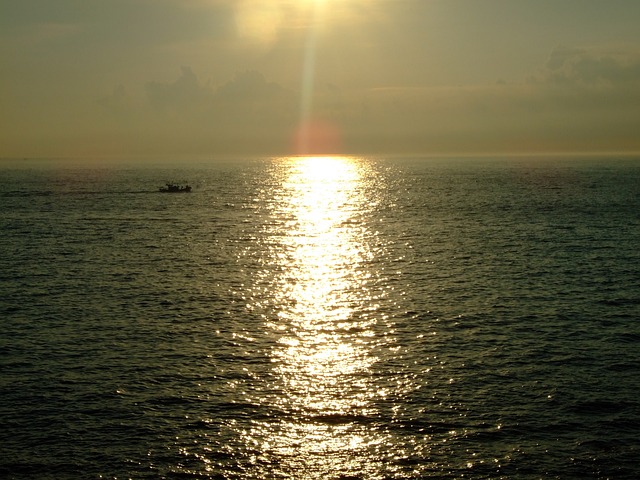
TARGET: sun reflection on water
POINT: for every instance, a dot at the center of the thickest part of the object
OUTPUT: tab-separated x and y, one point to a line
323	322
322	284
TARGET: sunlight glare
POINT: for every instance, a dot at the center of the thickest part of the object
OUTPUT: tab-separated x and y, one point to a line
321	285
322	322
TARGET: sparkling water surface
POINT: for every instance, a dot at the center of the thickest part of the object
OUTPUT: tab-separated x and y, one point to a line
327	317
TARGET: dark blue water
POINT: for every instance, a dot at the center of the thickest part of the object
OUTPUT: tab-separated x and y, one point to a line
321	318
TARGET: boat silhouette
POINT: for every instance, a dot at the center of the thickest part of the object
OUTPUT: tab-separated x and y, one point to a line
175	188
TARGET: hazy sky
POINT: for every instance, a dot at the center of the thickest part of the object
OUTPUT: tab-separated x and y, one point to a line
120	77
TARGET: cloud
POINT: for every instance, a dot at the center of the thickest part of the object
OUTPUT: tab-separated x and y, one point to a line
249	99
250	113
184	95
247	112
249	86
593	67
582	99
118	103
246	98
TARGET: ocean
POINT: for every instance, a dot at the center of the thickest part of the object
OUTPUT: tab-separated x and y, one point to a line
321	317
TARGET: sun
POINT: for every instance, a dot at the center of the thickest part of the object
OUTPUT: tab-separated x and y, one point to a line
315	9
262	21
315	2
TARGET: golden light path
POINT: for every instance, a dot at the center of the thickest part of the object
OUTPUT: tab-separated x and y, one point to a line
322	282
324	319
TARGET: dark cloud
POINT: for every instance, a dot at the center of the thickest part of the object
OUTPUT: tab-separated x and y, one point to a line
117	103
249	86
245	89
248	97
566	108
185	94
593	67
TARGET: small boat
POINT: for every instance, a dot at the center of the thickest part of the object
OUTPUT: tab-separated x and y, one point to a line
175	188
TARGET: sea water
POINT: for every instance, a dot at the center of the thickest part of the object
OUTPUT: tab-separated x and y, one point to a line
327	317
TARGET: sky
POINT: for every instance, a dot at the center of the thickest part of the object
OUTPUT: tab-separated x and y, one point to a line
279	77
